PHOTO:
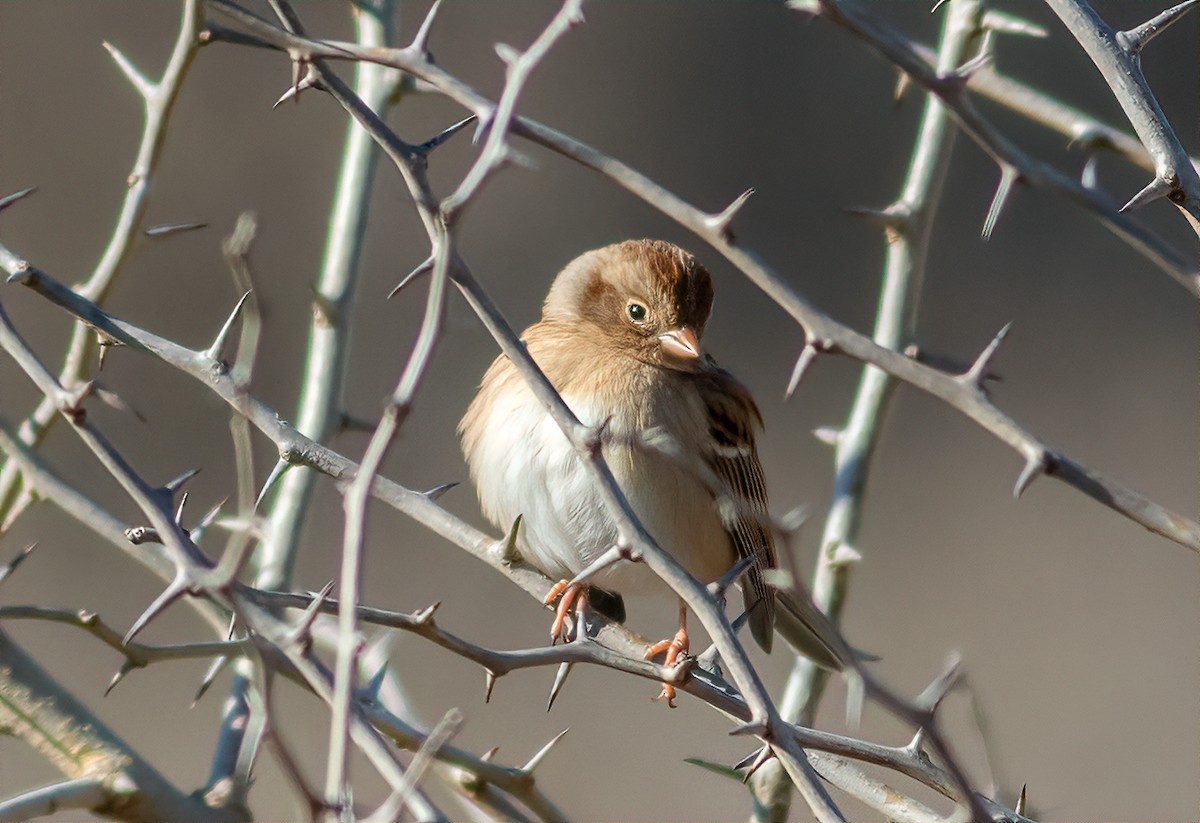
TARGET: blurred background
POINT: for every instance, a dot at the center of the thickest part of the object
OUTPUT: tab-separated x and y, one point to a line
1076	626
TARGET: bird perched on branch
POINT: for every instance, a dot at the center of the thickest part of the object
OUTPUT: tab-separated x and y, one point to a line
619	339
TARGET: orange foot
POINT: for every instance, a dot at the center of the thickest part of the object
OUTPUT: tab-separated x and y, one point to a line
675	648
570	593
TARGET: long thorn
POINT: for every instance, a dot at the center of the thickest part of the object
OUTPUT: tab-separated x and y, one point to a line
173	228
214	669
177	483
276	473
206	521
1005	23
764	755
300	633
978	372
126	667
172	593
507	548
560	678
610	558
1155	189
424	268
309	81
807	355
420	43
722	222
440	138
936	691
1034	465
437	491
537	759
8	200
215	352
718	587
11	566
1135	39
1008	176
140	82
752	727
747	760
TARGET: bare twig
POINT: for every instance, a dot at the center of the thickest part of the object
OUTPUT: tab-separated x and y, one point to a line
86	793
442	734
34	707
891	44
629	528
1075	124
321	392
951	89
971	401
394	726
291	445
1117	54
908	233
159	101
717	226
616	649
137	654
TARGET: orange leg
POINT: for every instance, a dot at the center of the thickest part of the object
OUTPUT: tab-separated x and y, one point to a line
675	648
569	595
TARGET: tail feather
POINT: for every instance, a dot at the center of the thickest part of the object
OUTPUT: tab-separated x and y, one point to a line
809	631
762	619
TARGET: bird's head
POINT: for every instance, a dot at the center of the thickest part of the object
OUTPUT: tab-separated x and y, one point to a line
647	298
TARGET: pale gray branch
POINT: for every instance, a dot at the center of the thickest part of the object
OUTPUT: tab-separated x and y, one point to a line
1117	54
1075	124
709	227
159	99
85	793
908	231
971	400
138	654
425	511
35	708
951	89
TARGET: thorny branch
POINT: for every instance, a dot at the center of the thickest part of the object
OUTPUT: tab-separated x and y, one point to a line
159	102
196	573
1078	126
785	747
825	335
908	224
766	722
1015	164
965	392
712	227
630	530
1117	54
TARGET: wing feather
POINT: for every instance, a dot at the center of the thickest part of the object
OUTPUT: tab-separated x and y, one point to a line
734	421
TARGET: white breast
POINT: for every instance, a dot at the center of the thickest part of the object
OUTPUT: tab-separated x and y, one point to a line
525	465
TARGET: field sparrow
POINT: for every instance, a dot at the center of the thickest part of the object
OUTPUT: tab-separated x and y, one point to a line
620	340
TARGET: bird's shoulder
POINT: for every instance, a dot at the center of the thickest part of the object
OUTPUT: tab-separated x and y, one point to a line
733	417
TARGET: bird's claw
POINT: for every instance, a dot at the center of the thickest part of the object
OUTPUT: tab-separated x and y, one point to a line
569	595
676	650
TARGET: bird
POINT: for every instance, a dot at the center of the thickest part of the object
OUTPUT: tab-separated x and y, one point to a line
620	339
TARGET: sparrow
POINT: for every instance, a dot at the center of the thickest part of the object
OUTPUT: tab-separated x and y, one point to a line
620	339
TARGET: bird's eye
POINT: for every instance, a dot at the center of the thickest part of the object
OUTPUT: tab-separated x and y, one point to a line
637	312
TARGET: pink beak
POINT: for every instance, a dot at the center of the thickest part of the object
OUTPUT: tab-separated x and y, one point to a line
681	345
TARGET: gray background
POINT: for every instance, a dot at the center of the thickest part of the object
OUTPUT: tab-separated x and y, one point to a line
1077	627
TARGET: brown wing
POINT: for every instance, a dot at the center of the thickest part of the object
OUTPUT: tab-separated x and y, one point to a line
733	421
